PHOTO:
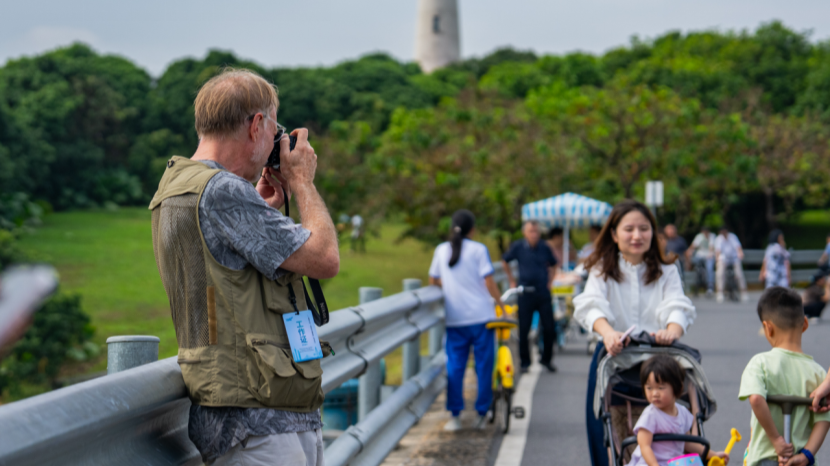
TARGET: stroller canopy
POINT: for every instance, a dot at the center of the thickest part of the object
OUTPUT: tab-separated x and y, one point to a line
567	210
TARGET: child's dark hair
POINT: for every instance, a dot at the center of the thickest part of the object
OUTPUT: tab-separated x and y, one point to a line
665	370
782	306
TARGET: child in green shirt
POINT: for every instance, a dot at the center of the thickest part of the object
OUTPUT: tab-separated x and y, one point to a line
785	370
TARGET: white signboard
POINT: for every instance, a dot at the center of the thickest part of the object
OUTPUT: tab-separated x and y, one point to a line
654	193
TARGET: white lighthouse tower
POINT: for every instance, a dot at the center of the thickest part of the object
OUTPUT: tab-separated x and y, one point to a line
437	40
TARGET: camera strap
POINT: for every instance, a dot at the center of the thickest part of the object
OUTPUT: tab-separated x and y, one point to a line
321	311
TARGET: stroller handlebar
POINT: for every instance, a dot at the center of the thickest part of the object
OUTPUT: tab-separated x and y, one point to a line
670	438
787	402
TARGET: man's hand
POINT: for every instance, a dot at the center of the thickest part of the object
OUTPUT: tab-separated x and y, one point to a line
299	165
783	449
270	187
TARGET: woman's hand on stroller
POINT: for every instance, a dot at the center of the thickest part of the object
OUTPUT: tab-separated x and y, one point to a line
613	341
668	335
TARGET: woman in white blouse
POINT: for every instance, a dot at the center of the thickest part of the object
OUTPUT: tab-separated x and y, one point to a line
630	283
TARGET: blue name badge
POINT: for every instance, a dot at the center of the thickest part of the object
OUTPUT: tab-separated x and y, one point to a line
302	336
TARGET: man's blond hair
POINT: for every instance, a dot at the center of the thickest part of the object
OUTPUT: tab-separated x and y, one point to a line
226	102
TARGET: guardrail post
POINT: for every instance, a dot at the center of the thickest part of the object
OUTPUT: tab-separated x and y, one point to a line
368	395
126	352
411	349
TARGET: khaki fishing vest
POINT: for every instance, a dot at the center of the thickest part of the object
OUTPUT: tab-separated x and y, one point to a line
233	349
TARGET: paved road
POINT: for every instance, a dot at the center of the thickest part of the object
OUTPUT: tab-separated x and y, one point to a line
727	337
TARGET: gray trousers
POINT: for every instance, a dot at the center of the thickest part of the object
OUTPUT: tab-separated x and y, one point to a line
291	449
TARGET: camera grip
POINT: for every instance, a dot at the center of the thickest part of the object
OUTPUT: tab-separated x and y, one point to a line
292	142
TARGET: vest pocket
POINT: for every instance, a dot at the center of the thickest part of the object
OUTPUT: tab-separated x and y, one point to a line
197	371
277	297
275	380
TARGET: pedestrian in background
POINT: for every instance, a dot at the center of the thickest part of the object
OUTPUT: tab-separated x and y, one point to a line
824	260
775	271
676	244
537	267
703	250
462	268
816	296
629	283
728	251
588	248
556	242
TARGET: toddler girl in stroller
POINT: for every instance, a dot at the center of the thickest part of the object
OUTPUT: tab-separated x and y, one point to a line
666	388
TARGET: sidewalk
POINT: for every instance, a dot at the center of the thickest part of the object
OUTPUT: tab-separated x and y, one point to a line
427	444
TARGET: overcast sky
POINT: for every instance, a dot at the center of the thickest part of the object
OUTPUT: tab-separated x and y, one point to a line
153	33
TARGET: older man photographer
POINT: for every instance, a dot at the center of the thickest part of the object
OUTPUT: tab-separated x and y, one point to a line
233	268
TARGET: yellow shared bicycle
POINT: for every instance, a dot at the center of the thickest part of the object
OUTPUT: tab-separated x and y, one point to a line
501	408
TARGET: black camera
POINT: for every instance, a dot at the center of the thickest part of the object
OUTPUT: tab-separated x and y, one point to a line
274	158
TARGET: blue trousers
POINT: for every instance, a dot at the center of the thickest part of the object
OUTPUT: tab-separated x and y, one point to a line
459	340
596	432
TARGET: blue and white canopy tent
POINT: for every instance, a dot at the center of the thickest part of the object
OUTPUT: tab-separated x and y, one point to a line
567	211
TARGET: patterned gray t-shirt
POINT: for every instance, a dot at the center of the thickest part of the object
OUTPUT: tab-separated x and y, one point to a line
241	228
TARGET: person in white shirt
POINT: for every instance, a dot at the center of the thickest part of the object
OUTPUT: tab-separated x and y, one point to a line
630	283
462	268
728	251
703	250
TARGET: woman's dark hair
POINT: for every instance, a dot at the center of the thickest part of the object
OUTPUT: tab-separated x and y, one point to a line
665	370
773	236
462	222
606	251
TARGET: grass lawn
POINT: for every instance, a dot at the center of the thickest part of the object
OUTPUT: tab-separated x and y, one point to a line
107	257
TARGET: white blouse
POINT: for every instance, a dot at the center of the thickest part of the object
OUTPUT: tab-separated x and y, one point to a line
631	302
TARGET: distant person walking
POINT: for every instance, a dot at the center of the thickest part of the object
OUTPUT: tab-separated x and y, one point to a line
703	251
588	248
462	268
556	242
358	238
536	269
775	271
824	260
816	296
676	244
728	251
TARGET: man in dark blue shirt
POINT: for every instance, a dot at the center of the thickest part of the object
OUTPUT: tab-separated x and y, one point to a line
536	269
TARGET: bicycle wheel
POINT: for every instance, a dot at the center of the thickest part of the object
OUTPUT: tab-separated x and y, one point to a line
493	405
502	411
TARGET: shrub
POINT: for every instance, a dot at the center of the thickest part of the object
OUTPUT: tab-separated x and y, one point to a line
60	330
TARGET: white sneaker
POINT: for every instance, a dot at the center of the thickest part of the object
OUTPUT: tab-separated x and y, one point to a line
719	297
453	425
744	296
813	320
481	422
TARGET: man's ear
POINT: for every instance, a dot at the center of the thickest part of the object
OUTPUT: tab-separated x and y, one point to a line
254	131
806	325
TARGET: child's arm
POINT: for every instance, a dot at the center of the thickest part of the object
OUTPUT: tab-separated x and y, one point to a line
813	444
644	440
762	413
692	447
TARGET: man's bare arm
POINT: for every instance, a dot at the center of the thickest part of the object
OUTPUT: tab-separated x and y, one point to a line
319	257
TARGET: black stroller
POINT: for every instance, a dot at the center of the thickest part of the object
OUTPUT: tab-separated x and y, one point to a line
619	398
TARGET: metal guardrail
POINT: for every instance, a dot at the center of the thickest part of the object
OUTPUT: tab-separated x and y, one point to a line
139	416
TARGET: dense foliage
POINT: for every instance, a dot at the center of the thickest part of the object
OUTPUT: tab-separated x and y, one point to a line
726	120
